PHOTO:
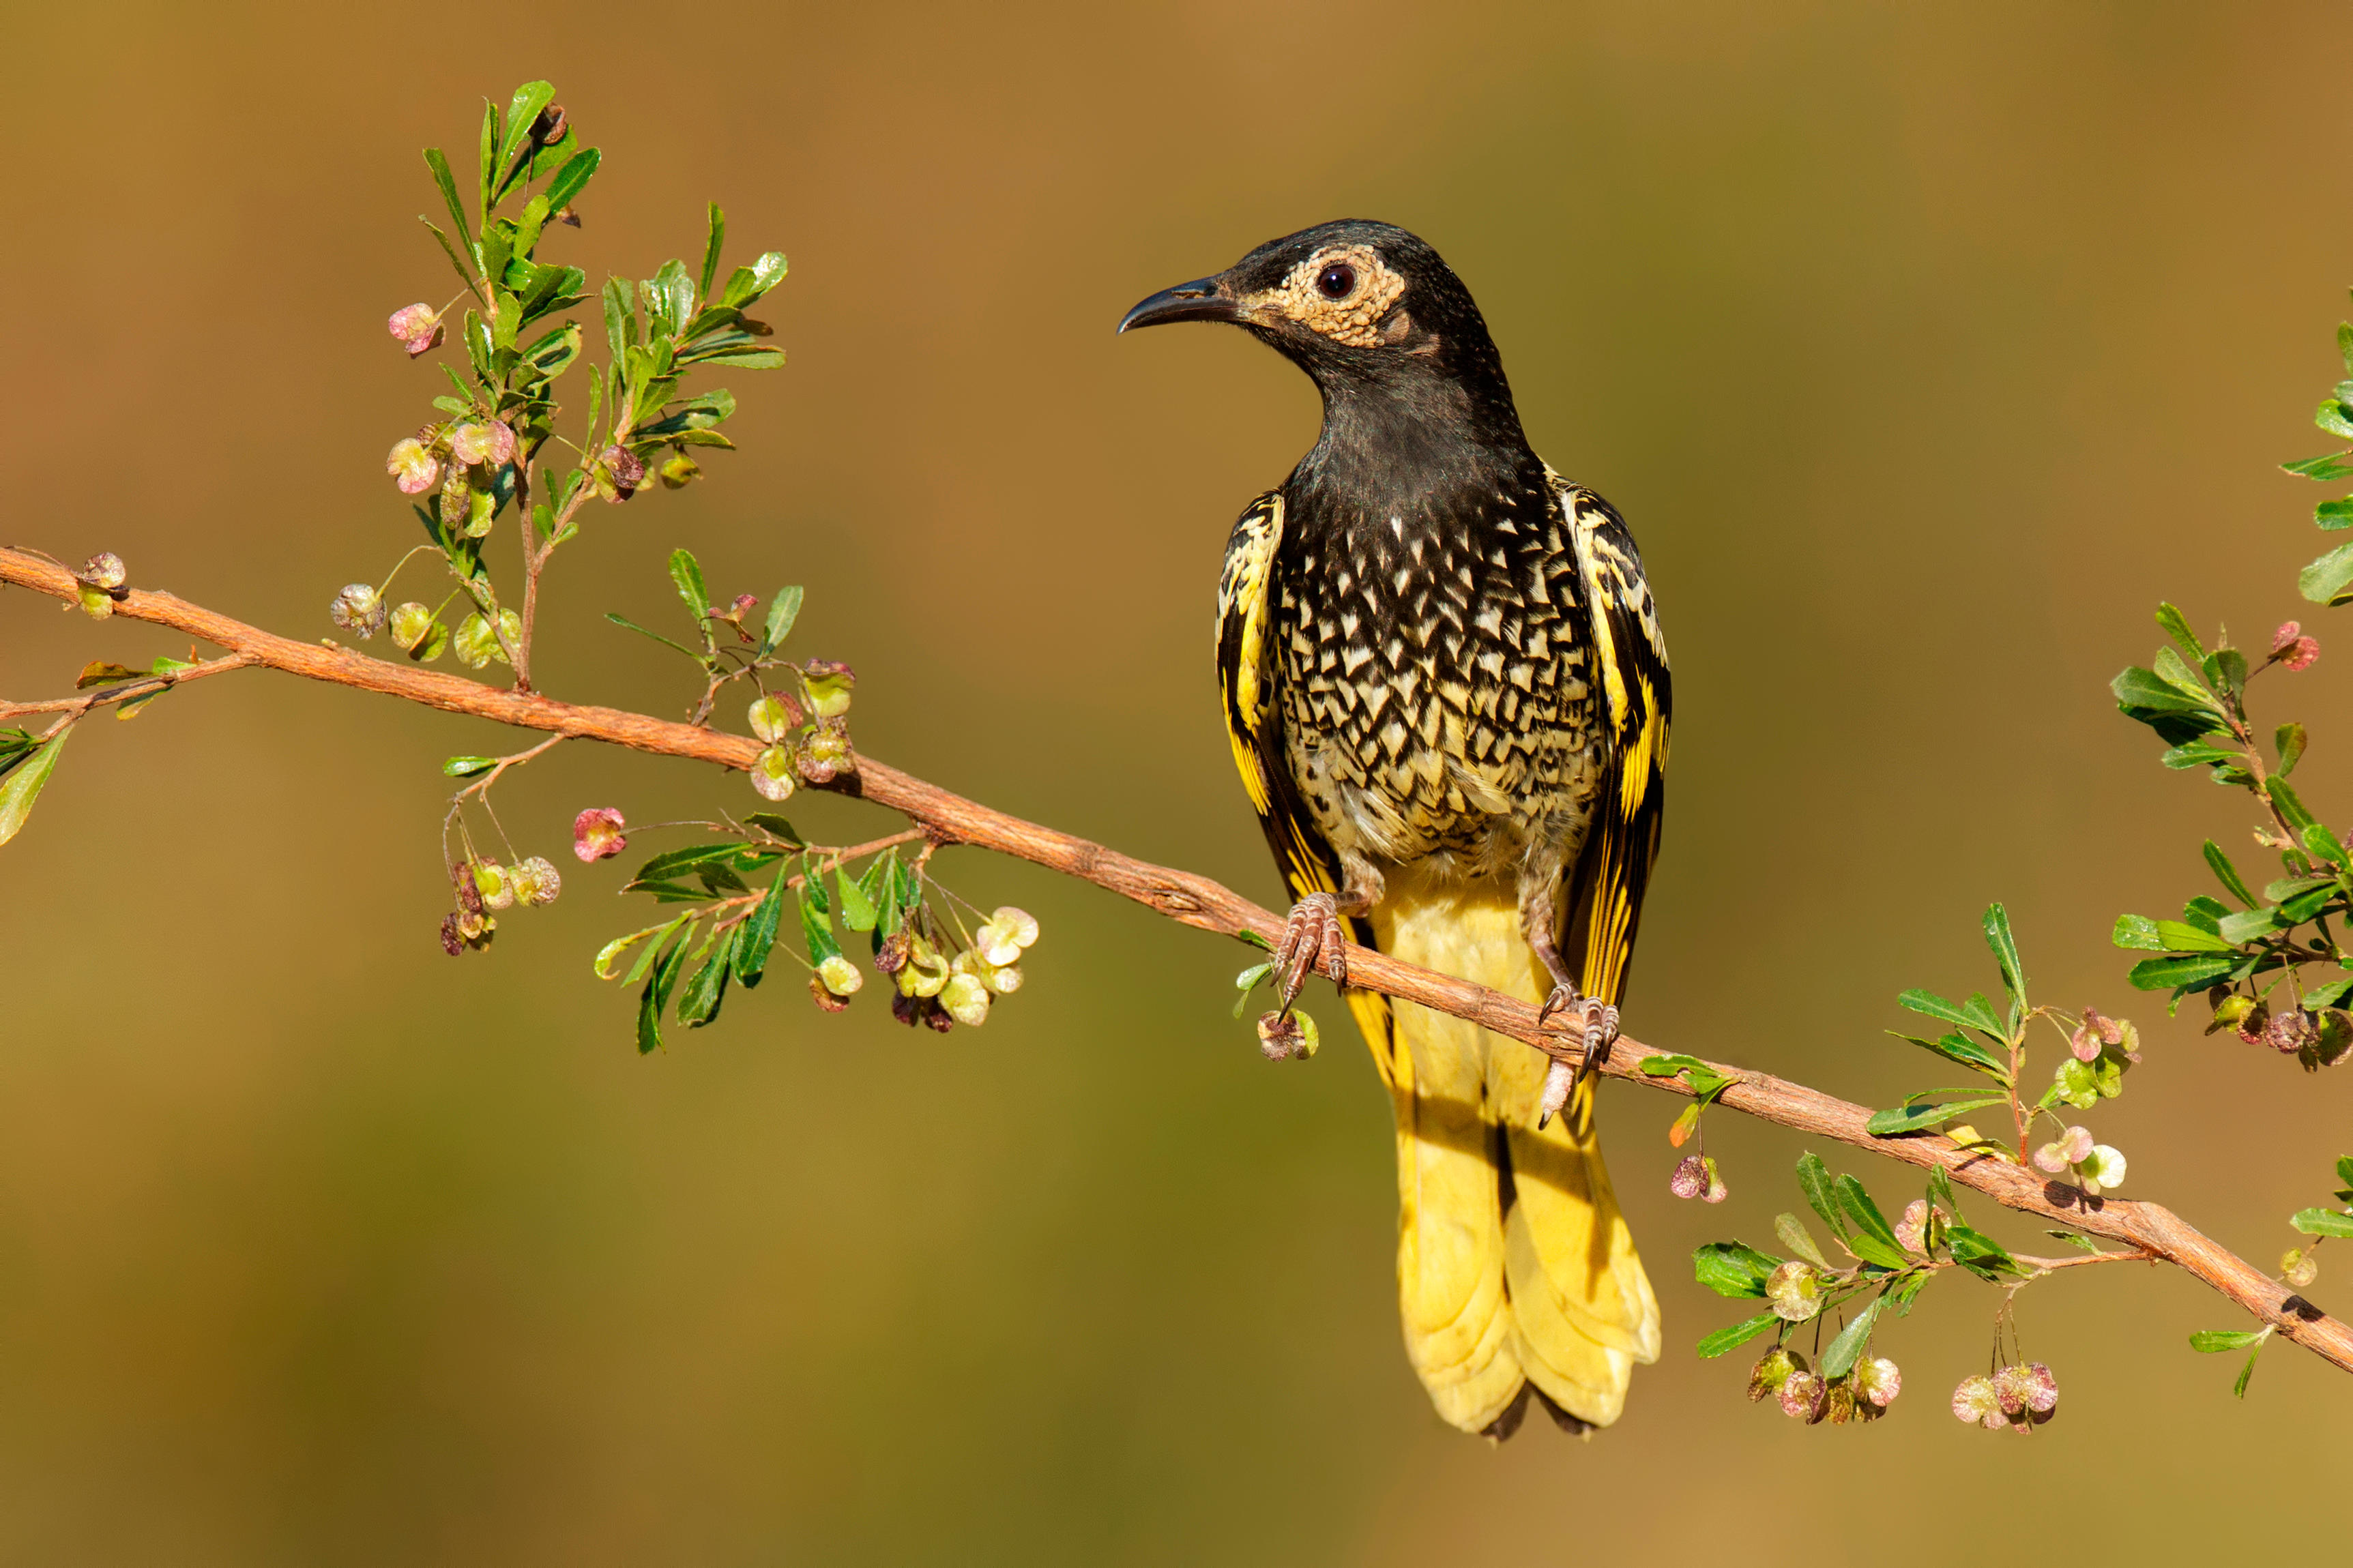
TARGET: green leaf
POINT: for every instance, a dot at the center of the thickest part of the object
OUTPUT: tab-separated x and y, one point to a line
621	317
656	996
816	923
1840	1358
2226	671
2170	669
687	573
2177	626
621	620
1799	1240
2323	1222
730	852
529	100
706	988
2225	873
1856	1204
2288	740
2334	514
2179	936
2322	843
2344	1169
783	611
748	283
1975	1247
2197	754
2163	974
769	822
2208	1341
1906	1118
758	935
2324	582
1246	982
2138	933
1730	1269
1738	1334
448	183
573	178
2005	952
711	252
2330	467
2239	1389
467	767
2176	718
621	944
1814	1180
490	143
858	913
2289	806
2247	926
1940	1192
2329	994
1976	1012
1958	1048
22	784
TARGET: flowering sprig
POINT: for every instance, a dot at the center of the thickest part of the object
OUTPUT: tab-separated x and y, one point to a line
943	971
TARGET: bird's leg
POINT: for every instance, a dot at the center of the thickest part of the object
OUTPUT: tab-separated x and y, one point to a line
1313	937
1600	1019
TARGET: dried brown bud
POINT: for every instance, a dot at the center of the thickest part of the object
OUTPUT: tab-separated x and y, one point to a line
825	999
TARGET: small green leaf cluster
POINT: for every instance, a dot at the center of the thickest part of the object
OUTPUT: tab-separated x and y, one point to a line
2100	1050
2329	579
481	453
1883	1268
943	971
2251	961
803	723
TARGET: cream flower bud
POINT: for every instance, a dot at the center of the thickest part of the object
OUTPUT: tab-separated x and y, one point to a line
772	719
477	645
2105	1168
410	622
1795	1289
414	467
772	774
967	1000
536	881
2298	1266
1002	937
839	976
359	608
491	880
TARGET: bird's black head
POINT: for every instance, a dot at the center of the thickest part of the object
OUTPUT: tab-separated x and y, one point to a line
1372	313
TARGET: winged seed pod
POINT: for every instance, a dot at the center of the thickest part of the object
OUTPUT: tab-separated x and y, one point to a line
359	608
840	976
414	467
1879	1381
772	774
597	834
1771	1371
1795	1289
967	1000
536	881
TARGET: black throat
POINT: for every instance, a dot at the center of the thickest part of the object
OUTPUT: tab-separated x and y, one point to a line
1413	437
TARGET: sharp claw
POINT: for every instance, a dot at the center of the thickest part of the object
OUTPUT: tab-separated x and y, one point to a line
1311	939
1559	1084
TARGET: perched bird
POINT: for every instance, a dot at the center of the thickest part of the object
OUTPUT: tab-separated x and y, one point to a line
1448	697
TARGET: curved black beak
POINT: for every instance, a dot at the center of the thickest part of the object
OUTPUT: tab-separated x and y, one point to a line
1198	300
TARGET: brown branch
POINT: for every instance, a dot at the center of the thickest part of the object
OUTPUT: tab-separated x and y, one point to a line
947	819
130	689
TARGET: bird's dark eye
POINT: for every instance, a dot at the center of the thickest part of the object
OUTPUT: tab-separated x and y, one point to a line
1337	281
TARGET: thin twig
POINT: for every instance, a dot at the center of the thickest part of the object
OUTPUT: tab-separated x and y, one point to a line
126	690
948	819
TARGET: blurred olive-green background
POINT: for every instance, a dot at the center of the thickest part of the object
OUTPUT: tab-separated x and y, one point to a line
1924	347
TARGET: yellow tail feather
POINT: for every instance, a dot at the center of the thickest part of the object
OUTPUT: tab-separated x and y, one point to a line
1513	1264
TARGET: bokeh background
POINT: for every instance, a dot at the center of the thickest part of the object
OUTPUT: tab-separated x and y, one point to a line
1926	347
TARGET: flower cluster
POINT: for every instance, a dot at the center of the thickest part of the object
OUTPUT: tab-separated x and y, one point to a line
1863	1394
484	888
803	740
2019	1397
2094	1166
939	990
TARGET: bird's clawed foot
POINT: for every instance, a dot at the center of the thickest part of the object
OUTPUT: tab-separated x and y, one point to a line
1600	1028
1312	942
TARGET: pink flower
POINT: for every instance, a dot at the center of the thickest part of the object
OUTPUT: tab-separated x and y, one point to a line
2291	648
2071	1148
418	326
1690	1178
493	443
414	466
597	834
